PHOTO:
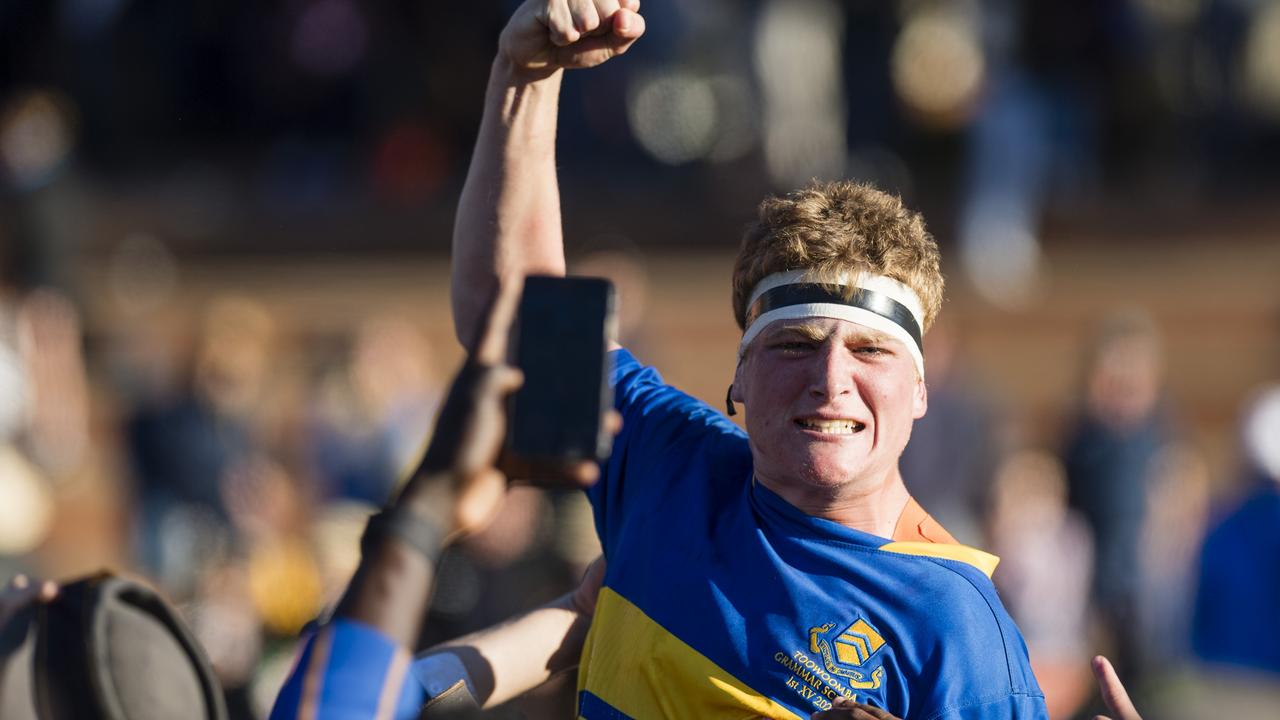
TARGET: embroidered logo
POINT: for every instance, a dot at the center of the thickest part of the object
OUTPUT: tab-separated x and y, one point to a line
841	661
847	652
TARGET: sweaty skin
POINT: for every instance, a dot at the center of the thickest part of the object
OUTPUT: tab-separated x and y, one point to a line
830	405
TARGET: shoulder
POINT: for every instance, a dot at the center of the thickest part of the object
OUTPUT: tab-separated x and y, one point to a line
978	658
655	410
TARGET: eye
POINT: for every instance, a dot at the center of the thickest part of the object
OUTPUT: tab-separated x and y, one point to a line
792	345
871	350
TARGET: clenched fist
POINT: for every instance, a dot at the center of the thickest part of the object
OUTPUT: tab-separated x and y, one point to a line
546	35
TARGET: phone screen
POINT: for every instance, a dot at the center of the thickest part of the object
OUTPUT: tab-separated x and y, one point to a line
561	339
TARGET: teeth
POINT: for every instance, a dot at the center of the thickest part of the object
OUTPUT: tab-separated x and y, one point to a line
834	427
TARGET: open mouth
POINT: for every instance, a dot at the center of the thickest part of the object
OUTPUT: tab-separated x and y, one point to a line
831	427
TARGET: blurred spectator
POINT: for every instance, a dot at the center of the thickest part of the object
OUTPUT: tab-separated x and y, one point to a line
50	340
1176	515
1053	67
1109	456
949	463
184	448
370	419
1237	614
44	412
1046	563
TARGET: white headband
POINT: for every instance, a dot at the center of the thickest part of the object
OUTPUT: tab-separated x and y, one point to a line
879	302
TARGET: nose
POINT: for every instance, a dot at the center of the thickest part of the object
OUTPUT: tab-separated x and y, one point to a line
831	374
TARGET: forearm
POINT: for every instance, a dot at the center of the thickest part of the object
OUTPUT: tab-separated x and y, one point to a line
507	660
390	591
391	588
509	214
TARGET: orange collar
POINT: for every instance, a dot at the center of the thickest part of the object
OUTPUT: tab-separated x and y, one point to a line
916	525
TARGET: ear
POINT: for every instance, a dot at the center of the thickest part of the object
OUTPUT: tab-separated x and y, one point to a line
919	400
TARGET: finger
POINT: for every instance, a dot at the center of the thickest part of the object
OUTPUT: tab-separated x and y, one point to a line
585	17
478	501
18	595
549	475
559	21
632	5
604	10
585	473
48	591
592	51
584	596
1114	696
500	381
872	712
495	330
613	422
628	24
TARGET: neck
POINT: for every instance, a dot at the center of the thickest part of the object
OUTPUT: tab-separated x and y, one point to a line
871	507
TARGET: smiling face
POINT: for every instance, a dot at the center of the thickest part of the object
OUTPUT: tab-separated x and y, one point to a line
830	405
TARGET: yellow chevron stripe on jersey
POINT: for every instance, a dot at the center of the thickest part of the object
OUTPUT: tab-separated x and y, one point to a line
646	672
986	562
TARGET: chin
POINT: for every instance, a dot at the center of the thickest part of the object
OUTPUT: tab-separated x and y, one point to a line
820	470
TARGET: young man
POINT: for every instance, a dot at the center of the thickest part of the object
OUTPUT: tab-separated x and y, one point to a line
772	572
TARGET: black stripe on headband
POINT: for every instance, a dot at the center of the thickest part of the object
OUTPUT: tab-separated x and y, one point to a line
810	293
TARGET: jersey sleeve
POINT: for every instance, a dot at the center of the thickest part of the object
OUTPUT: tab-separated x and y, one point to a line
347	670
984	671
1014	706
661	428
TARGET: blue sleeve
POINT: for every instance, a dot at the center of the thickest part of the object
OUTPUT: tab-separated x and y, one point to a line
347	671
978	667
661	427
1015	706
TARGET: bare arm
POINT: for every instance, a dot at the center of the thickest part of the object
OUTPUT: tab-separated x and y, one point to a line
508	220
516	656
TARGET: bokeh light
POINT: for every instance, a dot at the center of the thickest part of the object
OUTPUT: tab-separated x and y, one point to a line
37	131
1261	62
797	58
937	66
330	37
674	116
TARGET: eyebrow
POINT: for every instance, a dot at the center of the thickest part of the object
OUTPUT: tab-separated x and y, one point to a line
817	334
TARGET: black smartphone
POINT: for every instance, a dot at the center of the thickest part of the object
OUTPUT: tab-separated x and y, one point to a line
561	337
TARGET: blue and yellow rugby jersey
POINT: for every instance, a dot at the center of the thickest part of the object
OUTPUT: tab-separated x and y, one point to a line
723	600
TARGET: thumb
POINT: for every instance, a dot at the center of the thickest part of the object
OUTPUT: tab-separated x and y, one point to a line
628	24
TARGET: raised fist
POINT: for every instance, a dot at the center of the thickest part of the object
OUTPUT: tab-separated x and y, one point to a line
547	35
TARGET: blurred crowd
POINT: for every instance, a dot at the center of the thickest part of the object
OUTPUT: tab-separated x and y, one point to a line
238	480
232	459
236	472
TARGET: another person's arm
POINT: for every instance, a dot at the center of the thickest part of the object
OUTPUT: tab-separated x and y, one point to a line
508	220
509	659
357	665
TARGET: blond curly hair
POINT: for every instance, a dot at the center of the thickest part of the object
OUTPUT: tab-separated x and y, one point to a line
834	228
